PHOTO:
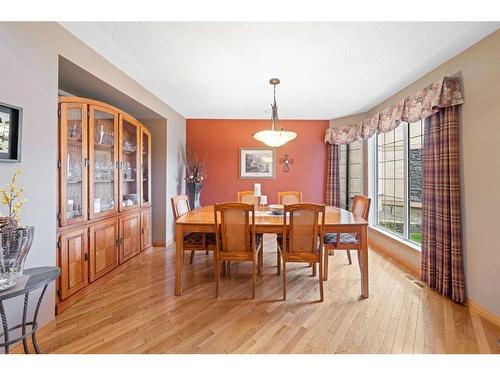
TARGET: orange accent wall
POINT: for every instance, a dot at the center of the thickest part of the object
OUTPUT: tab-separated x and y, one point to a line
221	140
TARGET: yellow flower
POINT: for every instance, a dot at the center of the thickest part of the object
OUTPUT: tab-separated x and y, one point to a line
10	194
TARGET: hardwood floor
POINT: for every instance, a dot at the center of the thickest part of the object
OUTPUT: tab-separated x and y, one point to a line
136	312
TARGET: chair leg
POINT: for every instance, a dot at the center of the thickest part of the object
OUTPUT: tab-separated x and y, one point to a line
325	265
191	258
228	264
284	280
278	261
259	270
217	278
359	261
349	256
314	269
261	260
206	252
320	278
254	279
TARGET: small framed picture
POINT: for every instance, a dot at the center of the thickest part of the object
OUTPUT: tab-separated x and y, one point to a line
257	162
10	133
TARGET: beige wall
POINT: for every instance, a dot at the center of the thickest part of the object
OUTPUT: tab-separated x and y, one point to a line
29	79
348	120
479	70
158	129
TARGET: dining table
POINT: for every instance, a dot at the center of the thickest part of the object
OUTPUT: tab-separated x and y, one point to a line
337	220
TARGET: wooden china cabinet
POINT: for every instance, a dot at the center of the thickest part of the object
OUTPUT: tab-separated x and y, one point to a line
104	205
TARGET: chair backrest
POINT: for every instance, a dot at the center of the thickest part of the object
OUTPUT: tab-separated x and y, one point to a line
247	197
305	230
235	227
361	206
180	205
289	197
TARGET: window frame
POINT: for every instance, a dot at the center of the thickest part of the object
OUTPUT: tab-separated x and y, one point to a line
406	199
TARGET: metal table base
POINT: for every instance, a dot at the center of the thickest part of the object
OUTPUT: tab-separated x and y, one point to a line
39	277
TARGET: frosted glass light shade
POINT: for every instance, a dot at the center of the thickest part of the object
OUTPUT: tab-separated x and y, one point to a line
274	138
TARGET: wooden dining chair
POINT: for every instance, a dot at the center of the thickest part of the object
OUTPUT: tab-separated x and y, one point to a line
235	238
247	197
192	241
347	241
289	197
302	239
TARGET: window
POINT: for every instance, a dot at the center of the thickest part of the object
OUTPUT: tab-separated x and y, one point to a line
398	197
351	172
415	153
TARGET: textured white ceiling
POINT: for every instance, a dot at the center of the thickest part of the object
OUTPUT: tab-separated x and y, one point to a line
327	70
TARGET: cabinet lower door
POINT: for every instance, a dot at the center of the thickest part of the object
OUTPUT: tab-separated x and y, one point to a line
146	229
103	248
130	236
74	262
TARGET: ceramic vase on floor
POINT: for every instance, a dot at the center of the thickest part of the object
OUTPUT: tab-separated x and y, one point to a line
193	192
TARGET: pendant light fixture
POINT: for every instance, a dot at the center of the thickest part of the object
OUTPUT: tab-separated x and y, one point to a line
277	136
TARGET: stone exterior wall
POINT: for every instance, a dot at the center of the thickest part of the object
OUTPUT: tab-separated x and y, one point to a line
392	215
415	175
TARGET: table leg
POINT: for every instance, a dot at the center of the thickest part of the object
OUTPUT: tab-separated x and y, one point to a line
5	328
179	259
23	326
363	248
35	324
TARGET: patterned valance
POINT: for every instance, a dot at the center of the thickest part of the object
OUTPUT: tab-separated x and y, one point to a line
443	93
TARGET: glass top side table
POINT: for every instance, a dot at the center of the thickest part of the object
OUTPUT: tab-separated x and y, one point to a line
38	277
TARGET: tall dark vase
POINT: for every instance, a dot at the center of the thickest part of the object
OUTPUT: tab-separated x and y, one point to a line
194	190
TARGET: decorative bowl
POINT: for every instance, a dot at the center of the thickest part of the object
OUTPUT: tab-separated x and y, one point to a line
276	209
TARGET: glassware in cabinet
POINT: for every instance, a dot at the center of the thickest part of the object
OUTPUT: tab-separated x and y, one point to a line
145	167
103	156
129	163
72	163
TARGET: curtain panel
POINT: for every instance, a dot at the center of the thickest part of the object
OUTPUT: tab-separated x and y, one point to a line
333	175
441	94
442	257
442	263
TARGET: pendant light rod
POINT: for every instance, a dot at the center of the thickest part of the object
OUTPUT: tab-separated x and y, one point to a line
276	136
274	107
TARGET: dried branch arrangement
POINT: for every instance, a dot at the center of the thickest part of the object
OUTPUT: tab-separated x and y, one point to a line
196	167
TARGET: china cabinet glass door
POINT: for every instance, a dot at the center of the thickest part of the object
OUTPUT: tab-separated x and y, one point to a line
103	153
73	163
146	167
129	163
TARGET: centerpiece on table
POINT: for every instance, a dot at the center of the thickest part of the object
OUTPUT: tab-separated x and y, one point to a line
196	173
15	239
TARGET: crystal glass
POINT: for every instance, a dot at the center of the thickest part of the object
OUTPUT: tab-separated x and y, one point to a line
145	170
15	243
130	160
103	161
74	189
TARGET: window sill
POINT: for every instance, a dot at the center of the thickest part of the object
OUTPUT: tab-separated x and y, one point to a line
393	237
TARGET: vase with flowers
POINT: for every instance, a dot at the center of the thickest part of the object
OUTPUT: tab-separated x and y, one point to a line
15	239
196	173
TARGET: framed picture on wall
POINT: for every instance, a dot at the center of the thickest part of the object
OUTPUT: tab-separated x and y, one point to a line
10	133
257	162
